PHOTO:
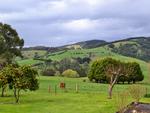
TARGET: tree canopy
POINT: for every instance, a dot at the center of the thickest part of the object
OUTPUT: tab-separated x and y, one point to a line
112	71
98	67
18	78
10	43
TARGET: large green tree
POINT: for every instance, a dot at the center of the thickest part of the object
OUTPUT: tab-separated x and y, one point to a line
10	44
19	78
24	78
98	67
112	71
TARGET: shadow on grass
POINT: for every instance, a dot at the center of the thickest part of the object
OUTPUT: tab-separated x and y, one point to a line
147	96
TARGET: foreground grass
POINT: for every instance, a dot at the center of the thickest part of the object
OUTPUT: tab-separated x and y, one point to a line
92	98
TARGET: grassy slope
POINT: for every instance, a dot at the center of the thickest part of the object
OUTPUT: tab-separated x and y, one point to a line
99	52
29	55
28	61
92	98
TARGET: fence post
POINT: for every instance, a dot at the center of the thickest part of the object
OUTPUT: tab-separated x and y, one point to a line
55	89
146	92
77	88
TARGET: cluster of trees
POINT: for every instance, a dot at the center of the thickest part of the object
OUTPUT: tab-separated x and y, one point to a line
112	71
98	71
78	65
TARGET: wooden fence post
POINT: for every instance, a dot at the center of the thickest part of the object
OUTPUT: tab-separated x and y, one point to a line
77	88
146	92
55	89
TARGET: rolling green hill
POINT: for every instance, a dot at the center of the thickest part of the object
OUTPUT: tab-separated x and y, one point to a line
137	47
89	44
133	47
99	52
130	49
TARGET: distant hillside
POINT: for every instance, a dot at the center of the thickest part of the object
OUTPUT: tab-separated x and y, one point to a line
137	47
80	45
92	44
36	48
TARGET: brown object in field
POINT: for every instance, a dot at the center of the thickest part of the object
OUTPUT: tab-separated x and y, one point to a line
136	107
62	85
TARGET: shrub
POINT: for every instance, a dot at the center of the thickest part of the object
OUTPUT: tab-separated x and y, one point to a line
70	73
121	100
136	92
48	72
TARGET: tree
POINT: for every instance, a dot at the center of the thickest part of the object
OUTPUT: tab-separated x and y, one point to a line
83	60
3	81
19	78
36	55
97	71
64	64
24	79
136	74
71	64
114	71
48	72
6	77
10	43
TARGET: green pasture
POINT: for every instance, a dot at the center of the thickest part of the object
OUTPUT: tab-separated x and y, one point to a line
28	61
91	98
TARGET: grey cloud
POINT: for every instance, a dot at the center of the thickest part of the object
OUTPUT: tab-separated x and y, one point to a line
57	22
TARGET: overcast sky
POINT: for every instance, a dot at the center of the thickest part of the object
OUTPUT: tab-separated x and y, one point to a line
59	22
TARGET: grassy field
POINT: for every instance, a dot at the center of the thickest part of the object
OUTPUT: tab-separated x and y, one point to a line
28	62
92	98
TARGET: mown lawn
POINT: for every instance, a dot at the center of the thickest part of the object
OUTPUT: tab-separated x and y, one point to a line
92	98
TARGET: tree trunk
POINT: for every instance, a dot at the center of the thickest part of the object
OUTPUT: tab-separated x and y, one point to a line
17	95
3	90
112	83
110	92
15	92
